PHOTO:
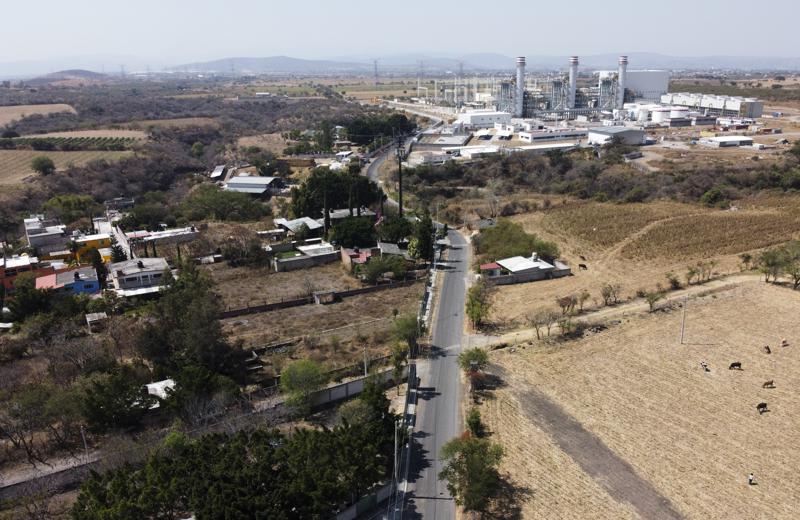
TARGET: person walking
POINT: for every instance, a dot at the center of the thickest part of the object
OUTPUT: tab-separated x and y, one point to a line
751	479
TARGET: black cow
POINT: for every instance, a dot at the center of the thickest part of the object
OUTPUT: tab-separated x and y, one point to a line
583	267
737	365
762	408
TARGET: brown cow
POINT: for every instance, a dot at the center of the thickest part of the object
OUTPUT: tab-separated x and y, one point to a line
769	384
767	349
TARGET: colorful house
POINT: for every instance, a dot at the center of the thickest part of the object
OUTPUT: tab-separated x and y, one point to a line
84	244
12	267
79	280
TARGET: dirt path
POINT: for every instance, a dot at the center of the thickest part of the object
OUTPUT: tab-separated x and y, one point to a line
615	475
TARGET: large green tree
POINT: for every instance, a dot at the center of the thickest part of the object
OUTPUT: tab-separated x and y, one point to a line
471	471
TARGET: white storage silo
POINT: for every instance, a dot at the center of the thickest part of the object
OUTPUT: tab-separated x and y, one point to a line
643	115
678	112
660	115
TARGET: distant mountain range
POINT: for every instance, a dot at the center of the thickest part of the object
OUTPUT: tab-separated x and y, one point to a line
485	62
69	77
399	63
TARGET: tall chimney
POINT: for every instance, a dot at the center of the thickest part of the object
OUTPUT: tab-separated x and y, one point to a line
573	81
519	98
621	77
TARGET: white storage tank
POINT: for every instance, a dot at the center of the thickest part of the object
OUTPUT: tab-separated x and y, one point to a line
678	112
643	115
660	115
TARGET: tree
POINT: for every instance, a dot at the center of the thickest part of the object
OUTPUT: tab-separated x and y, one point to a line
474	423
406	328
652	298
607	291
691	273
99	266
115	400
479	303
583	298
28	300
354	231
673	280
567	304
198	149
473	360
421	245
471	471
43	165
118	254
399	361
747	260
300	379
771	263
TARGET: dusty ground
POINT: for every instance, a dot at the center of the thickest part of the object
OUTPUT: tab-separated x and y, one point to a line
243	286
129	134
274	143
180	122
336	334
636	245
642	397
16	112
16	164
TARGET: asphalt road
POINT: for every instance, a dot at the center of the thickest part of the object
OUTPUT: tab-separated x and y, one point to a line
439	393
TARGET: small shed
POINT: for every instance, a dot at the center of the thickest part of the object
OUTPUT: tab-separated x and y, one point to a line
96	321
324	297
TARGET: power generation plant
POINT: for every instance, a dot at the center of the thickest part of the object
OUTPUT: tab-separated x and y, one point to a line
561	97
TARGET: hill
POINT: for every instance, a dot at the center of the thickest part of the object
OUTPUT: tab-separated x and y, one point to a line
69	77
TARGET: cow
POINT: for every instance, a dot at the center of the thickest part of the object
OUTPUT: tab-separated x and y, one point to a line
762	408
736	365
784	343
769	384
583	267
582	257
767	349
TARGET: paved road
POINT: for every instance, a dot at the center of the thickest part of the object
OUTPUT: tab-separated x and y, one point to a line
439	395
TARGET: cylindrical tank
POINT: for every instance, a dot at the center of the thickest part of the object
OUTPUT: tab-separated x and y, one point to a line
643	115
519	98
677	112
660	115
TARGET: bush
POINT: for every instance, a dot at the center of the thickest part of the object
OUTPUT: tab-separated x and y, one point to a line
508	239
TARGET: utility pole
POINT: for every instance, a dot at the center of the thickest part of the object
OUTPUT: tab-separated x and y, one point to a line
366	362
400	174
375	64
683	319
85	446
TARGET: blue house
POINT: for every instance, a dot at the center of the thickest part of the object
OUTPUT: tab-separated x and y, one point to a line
79	280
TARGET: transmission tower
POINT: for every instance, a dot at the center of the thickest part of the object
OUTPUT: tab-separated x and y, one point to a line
375	65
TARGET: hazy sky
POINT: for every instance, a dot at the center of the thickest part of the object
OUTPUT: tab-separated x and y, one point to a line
170	31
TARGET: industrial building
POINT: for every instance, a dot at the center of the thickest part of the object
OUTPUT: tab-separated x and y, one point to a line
733	106
562	98
627	135
483	118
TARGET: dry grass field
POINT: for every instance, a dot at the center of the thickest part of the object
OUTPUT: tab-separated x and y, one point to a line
118	133
15	165
240	287
636	245
337	334
274	143
691	436
173	123
17	112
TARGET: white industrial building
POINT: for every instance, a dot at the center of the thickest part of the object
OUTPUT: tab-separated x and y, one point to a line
647	85
716	105
724	141
483	118
627	135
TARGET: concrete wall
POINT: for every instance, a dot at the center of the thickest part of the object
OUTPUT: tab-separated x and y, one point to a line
304	262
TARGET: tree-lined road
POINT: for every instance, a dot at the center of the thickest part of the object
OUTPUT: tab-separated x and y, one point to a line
439	394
